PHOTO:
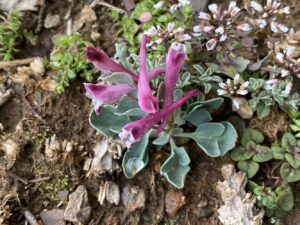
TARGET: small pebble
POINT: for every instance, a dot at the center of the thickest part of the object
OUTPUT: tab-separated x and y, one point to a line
52	21
174	201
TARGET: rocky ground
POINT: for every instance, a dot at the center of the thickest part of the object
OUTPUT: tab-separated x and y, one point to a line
60	169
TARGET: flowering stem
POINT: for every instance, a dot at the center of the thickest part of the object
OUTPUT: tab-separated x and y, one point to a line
158	70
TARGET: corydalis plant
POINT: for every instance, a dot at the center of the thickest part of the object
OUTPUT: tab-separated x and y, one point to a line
147	101
142	111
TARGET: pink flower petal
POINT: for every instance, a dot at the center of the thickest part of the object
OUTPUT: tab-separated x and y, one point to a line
106	94
146	100
105	64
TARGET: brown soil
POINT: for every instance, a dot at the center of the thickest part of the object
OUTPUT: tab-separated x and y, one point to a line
33	115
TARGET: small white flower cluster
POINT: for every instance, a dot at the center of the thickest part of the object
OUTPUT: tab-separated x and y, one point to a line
161	35
268	15
233	87
221	25
181	3
291	65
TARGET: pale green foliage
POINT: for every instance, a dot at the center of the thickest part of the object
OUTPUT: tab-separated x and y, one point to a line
11	35
68	61
132	29
262	97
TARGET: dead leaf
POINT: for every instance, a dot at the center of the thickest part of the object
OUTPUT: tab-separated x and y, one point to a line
243	109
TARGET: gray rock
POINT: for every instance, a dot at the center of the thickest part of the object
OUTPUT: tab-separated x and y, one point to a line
133	198
52	21
199	5
78	210
54	216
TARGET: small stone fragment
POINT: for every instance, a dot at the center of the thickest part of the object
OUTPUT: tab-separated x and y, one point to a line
109	191
11	149
105	154
52	147
37	67
1	127
238	206
5	94
174	201
78	210
87	164
19	5
113	193
63	195
87	15
129	4
54	216
133	198
244	109
52	21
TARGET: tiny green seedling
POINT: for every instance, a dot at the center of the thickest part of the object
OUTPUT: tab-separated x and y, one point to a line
12	34
68	61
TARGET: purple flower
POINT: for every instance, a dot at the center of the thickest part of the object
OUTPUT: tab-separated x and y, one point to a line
134	131
146	100
106	94
105	64
175	60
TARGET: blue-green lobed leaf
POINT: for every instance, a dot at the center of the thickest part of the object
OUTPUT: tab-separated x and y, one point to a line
176	167
107	122
136	158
